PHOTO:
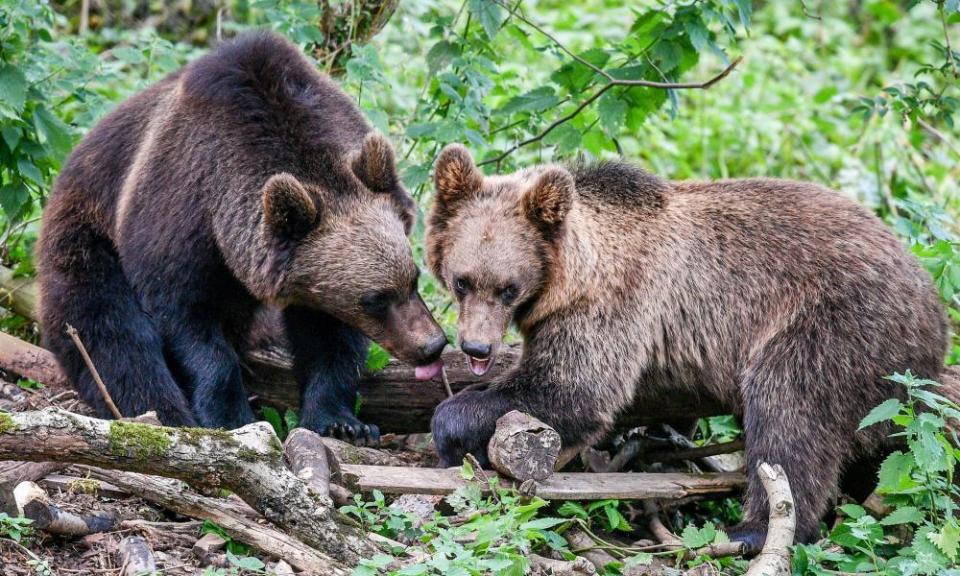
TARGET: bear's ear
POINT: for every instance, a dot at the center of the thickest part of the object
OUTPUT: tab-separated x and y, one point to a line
288	210
455	175
548	201
374	164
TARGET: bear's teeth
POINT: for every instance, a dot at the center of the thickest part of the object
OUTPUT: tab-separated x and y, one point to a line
479	367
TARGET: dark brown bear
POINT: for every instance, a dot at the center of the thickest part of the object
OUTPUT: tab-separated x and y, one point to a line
782	300
244	179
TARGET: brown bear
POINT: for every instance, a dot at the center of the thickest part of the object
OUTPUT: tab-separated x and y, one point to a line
244	179
781	300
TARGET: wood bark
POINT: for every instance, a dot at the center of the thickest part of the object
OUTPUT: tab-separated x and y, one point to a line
774	558
559	486
523	447
175	496
247	461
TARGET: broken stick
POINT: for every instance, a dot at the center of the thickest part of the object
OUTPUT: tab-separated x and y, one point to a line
34	503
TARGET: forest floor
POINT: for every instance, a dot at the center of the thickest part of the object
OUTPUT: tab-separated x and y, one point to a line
171	536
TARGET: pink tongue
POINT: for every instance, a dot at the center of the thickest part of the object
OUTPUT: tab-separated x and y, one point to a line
428	371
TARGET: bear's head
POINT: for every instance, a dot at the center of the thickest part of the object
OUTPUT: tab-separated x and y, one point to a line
491	241
341	247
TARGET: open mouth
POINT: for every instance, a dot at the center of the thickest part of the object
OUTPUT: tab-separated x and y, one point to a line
480	366
428	371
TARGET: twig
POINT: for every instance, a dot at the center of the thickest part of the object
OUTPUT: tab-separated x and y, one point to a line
611	83
940	135
446	382
656	526
696	452
486	479
72	332
946	37
774	559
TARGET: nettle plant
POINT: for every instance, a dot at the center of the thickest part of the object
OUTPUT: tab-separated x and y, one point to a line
921	532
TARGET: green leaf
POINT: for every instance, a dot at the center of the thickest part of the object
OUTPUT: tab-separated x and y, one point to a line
440	55
694	537
489	14
882	413
536	100
697	32
825	94
854	511
641	559
55	133
895	473
291	419
565	137
13	87
612	111
13	197
29	170
573	509
947	540
466	471
574	76
377	358
271	415
543	523
904	515
11	135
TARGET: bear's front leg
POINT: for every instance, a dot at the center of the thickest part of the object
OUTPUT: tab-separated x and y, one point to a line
209	363
464	423
329	357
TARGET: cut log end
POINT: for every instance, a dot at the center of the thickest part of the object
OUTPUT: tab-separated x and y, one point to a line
523	447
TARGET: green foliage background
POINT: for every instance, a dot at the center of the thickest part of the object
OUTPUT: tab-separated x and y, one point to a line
859	95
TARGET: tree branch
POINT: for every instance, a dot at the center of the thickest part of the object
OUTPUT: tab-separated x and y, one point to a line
247	461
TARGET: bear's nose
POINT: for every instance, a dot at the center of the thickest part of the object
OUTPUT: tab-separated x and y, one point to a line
432	349
478	350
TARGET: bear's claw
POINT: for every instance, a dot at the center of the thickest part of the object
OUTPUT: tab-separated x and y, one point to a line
350	430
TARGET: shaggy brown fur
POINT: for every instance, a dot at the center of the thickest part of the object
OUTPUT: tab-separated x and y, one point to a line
243	179
783	300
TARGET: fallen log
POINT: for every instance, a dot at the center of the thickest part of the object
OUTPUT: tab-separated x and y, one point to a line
391	398
559	486
247	461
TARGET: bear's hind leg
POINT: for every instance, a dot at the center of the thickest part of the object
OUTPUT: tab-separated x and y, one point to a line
798	420
83	285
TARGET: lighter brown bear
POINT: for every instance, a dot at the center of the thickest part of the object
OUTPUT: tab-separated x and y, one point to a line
783	301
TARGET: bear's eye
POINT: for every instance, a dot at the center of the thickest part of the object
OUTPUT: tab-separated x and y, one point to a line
509	294
461	286
376	303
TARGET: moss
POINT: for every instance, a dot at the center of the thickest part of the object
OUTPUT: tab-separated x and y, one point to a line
6	423
140	441
84	486
248	454
196	436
